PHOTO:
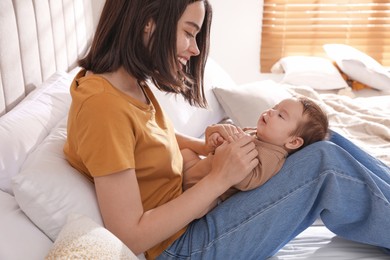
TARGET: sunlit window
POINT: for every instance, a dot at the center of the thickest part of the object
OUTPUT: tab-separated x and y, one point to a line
302	27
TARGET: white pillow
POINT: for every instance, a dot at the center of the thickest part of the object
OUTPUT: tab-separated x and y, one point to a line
315	72
245	103
191	120
359	66
48	189
29	123
20	238
82	238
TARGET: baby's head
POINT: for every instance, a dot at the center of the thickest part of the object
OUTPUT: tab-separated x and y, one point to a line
293	124
314	124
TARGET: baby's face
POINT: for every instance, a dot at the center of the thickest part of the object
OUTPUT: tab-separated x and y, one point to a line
275	124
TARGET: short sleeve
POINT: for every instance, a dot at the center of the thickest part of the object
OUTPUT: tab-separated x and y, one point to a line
105	136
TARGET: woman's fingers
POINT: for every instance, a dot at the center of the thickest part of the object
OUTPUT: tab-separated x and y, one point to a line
233	130
253	160
236	158
225	130
247	148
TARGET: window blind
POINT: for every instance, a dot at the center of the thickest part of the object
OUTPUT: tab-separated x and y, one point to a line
301	27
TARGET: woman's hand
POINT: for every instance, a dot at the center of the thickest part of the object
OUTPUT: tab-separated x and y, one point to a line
235	159
216	134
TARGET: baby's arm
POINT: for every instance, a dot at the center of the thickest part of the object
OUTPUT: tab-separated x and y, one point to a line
195	168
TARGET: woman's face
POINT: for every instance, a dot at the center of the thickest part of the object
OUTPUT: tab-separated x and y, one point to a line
188	27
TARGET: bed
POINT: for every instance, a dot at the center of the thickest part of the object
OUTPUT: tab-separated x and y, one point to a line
48	210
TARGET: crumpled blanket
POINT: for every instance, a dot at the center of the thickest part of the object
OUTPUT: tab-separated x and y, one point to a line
364	121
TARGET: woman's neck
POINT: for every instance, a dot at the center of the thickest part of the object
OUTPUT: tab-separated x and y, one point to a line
126	83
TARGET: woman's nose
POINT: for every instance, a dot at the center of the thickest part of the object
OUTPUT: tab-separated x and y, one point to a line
194	48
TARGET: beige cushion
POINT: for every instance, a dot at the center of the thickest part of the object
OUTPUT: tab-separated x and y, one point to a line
82	238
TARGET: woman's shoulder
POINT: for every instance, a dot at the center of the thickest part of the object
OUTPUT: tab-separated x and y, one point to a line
87	86
86	82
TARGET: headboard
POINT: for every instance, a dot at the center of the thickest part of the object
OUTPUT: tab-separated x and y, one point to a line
38	38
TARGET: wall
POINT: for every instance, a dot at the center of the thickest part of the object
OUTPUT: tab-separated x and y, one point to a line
97	9
235	37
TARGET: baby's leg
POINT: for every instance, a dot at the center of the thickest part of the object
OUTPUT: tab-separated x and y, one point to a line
194	168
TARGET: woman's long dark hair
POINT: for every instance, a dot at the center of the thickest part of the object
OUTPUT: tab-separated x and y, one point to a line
118	42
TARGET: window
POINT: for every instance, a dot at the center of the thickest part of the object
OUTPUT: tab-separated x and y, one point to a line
301	27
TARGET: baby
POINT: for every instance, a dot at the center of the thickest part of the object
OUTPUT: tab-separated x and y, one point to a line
282	130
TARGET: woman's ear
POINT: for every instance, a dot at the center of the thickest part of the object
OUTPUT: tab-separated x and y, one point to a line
149	27
294	143
148	31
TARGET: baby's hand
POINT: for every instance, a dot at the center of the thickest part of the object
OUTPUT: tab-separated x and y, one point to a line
213	141
216	134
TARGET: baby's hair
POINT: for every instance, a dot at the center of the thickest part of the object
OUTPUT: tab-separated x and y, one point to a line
314	125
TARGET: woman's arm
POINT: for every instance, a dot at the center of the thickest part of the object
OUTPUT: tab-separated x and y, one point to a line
123	214
195	144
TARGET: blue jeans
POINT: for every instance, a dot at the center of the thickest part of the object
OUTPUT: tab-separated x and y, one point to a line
334	180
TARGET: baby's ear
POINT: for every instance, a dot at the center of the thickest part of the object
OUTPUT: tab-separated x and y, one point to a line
294	143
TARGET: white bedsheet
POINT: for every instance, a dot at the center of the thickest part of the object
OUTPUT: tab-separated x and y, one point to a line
318	243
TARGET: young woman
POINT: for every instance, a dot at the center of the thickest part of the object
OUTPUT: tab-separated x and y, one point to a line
119	137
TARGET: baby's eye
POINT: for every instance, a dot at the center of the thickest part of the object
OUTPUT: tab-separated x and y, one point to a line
281	116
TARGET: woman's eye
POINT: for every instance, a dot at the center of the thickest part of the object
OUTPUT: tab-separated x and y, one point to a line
190	35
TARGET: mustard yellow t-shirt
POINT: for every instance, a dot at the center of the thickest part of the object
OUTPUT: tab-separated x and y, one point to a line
109	131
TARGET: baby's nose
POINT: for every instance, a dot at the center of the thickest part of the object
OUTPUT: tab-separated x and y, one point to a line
271	112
